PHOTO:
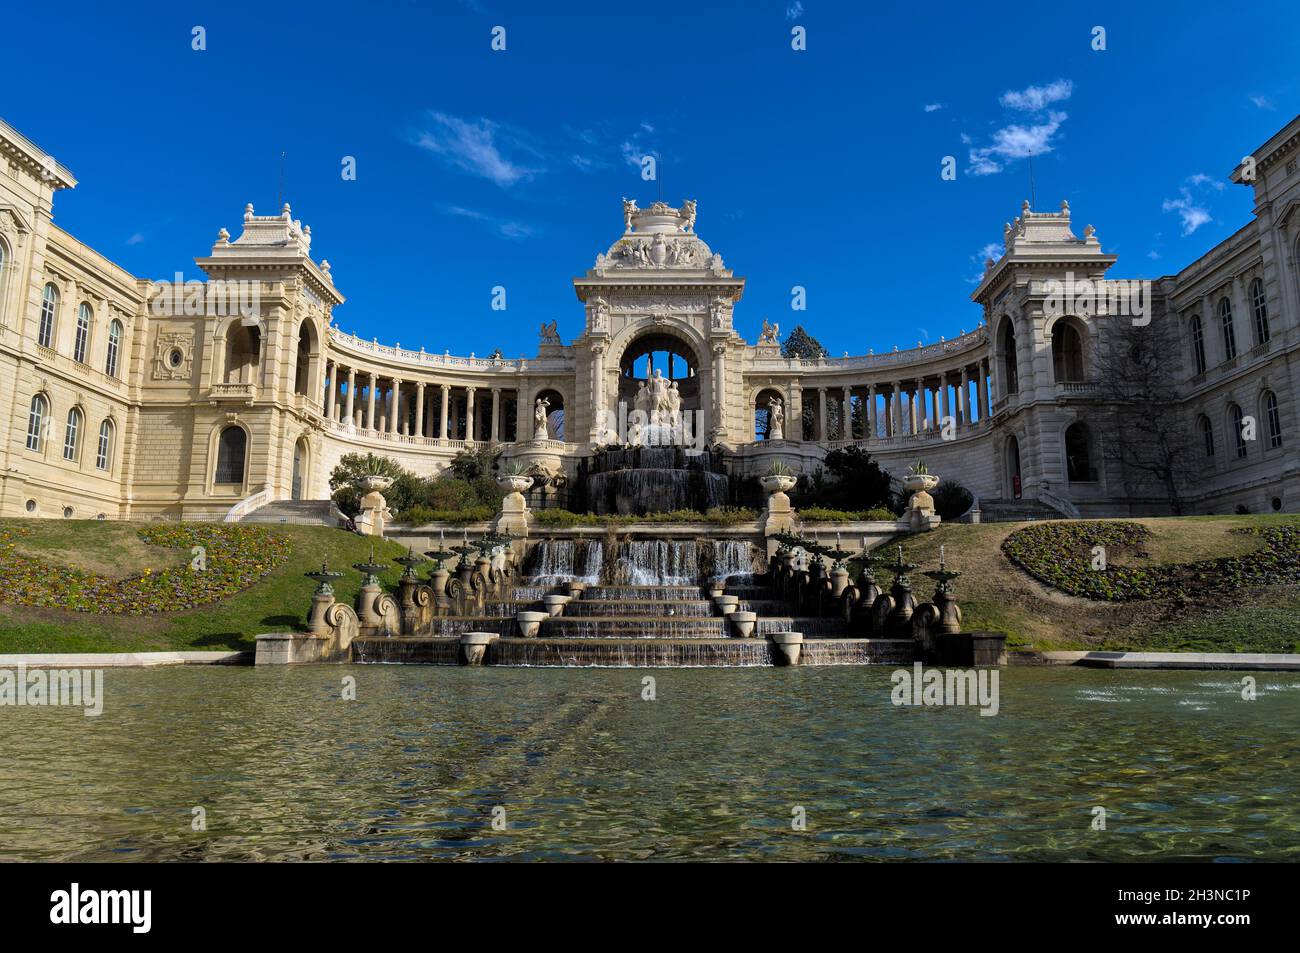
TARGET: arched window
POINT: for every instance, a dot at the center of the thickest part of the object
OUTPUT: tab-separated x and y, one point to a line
1259	307
554	414
1067	352
104	451
1207	435
231	451
1198	343
765	427
71	434
1229	332
114	348
1078	454
1238	431
36	414
82	340
1272	420
1010	372
49	312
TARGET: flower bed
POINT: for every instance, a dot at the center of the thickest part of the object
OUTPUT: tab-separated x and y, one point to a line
234	558
1061	555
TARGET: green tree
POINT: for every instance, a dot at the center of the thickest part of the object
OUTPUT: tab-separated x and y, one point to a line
803	345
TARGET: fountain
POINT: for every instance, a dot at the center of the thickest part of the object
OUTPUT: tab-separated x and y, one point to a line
640	480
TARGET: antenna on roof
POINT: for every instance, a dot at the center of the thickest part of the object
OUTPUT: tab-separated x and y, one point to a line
279	202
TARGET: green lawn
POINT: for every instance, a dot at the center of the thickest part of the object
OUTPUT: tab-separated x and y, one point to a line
276	603
995	595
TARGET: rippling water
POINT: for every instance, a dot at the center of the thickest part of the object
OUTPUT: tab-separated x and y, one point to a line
713	769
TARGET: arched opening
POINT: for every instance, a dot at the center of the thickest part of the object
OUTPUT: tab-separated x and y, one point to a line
72	436
302	363
659	385
49	313
1007	347
1228	329
243	350
1079	466
548	415
1272	420
1259	308
770	418
114	351
299	469
4	270
1013	467
1067	352
104	450
1198	343
232	453
1236	420
1207	435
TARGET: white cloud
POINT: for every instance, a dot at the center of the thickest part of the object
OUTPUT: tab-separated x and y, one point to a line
1019	140
473	147
1191	209
992	250
1015	142
507	228
1037	98
1153	255
794	11
1193	216
1261	102
932	107
1200	178
135	239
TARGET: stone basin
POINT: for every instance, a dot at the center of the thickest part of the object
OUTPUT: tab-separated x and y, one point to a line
789	646
743	622
474	646
530	622
555	605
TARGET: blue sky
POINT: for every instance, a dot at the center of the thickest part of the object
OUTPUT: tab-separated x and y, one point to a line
817	168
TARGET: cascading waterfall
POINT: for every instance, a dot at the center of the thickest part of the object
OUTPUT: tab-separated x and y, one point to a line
564	560
731	557
657	562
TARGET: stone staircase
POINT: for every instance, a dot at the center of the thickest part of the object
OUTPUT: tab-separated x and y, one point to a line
1015	511
299	512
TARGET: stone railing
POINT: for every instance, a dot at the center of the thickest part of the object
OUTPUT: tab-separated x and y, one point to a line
1078	389
916	355
235	391
347	341
247	505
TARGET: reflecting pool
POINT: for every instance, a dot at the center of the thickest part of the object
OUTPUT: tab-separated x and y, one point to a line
721	764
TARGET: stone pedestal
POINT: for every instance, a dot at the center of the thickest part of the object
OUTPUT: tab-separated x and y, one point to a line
779	517
316	623
512	518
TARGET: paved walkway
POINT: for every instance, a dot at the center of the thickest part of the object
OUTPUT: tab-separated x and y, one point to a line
1186	660
125	659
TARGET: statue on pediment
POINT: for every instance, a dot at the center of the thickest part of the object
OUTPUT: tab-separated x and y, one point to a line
549	334
771	334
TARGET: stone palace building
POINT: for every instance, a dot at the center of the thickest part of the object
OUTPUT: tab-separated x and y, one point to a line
130	398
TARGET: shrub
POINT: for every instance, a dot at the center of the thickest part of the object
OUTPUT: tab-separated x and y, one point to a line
1062	556
951	499
419	515
817	514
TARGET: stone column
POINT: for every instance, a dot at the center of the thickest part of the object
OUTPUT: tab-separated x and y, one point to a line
895	414
794	412
446	399
821	414
496	412
982	389
962	396
943	398
396	407
352	394
720	388
846	428
870	415
370	402
598	390
419	408
469	413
